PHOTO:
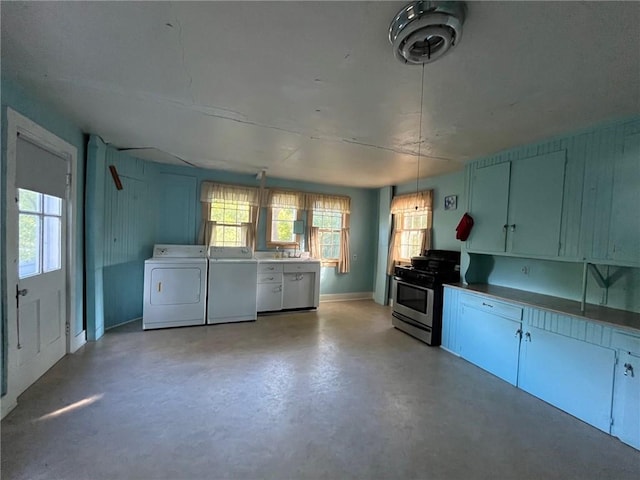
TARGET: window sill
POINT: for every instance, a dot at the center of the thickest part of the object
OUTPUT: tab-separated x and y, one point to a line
328	263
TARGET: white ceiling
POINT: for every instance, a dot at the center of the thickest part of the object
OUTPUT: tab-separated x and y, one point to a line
311	90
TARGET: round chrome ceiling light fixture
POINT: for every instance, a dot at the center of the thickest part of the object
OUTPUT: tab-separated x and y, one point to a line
424	31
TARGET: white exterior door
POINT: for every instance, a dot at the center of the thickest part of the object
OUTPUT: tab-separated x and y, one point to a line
40	228
41	288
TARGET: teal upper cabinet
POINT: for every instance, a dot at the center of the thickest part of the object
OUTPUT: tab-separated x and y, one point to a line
624	226
489	202
611	199
535	205
517	206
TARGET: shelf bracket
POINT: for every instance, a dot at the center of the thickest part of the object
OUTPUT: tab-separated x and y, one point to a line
600	280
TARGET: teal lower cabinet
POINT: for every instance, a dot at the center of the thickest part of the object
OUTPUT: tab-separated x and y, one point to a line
450	320
573	375
585	368
626	396
489	335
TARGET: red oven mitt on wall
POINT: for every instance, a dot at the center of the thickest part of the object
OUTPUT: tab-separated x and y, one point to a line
464	227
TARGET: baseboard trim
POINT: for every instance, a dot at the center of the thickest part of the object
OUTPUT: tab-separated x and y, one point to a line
345	297
78	341
6	405
450	351
122	323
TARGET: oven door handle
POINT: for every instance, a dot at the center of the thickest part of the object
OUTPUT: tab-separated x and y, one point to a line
419	287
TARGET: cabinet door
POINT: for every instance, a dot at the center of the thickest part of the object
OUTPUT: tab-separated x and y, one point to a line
489	203
489	341
298	290
269	297
624	227
626	400
574	376
535	205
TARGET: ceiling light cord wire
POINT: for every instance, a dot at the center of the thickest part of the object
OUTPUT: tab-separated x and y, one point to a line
420	133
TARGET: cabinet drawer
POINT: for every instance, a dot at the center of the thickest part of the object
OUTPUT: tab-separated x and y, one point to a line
269	267
299	267
489	305
269	278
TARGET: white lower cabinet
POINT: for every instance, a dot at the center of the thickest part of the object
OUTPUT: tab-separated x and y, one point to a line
269	297
298	290
288	285
269	293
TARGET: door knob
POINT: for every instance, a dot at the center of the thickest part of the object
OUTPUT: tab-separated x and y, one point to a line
22	293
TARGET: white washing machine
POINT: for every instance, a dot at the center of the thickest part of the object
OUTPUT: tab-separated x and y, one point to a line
233	277
175	287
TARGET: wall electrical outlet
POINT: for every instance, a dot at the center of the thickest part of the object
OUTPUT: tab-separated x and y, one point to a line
354	257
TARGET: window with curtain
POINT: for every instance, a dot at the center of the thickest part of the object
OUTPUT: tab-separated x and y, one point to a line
329	230
412	223
229	215
329	224
283	209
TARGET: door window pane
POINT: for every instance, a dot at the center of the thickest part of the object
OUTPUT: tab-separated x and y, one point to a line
29	201
52	205
52	243
29	245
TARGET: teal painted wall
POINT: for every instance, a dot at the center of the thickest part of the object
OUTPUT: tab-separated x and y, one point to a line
45	115
564	279
590	156
161	204
444	221
121	232
176	223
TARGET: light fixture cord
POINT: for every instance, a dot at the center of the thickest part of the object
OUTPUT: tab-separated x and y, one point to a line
420	133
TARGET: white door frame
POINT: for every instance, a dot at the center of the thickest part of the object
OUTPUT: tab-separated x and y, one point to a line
19	124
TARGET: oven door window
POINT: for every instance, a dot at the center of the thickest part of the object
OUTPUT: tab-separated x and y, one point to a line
412	297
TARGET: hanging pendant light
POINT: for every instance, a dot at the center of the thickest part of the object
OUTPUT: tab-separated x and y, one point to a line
420	133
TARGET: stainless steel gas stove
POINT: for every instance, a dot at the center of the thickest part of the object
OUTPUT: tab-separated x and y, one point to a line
417	294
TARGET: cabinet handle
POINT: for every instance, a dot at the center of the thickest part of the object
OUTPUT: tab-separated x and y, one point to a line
513	227
159	286
270	278
487	305
628	370
504	227
519	333
527	337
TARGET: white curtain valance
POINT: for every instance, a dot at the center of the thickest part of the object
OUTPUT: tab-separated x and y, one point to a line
338	203
422	200
285	199
210	192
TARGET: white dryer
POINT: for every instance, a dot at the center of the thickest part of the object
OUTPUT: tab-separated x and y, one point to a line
233	277
175	286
